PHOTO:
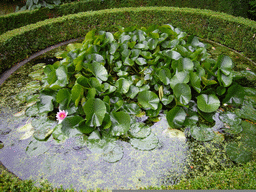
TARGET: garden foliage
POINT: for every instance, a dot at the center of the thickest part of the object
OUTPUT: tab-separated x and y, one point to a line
105	82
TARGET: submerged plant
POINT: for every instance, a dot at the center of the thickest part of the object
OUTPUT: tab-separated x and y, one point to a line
104	83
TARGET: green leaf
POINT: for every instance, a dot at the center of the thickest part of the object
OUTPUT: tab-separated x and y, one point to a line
123	85
235	95
224	80
133	91
50	73
96	144
99	71
139	130
120	123
154	113
182	92
208	103
152	43
238	152
146	144
202	133
46	103
164	75
176	117
141	61
77	93
58	134
95	111
32	111
225	64
62	78
132	108
179	77
148	99
172	54
83	127
63	97
232	122
187	64
207	82
113	48
167	99
195	81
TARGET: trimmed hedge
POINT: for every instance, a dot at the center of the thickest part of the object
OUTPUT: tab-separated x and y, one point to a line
236	33
19	19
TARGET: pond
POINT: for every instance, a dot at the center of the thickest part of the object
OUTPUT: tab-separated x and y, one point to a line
72	162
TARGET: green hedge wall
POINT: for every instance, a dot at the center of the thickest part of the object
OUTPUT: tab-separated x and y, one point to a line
19	19
234	32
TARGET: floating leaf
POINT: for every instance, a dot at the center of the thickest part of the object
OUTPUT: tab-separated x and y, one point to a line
32	111
112	153
202	133
58	134
146	144
27	135
139	130
25	128
69	124
208	103
232	122
176	117
120	123
148	99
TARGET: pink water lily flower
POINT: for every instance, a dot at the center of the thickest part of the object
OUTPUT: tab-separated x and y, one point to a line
61	115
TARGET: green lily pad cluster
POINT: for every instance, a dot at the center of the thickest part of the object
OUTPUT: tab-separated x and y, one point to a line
109	79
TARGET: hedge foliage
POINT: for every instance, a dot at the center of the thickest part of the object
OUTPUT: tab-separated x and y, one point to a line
234	32
19	19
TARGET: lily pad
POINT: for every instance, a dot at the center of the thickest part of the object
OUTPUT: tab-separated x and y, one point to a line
146	144
148	99
202	133
176	117
208	103
139	130
113	153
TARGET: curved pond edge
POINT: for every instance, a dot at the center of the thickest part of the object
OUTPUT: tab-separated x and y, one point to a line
6	74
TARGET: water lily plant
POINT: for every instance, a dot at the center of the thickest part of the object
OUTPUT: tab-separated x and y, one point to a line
107	81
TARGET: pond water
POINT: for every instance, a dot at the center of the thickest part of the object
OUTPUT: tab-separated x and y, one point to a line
73	163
